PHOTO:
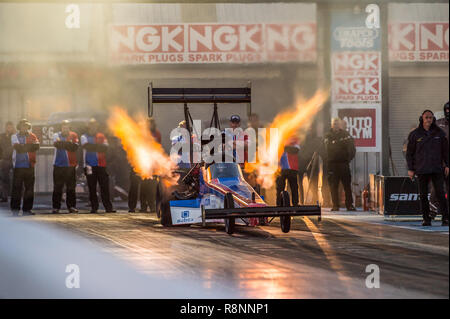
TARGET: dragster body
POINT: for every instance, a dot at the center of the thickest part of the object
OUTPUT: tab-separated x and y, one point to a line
225	197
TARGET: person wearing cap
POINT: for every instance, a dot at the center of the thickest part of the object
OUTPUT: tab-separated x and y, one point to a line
95	145
64	167
427	158
25	144
6	161
289	170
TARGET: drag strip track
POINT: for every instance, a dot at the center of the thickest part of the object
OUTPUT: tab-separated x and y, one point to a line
315	260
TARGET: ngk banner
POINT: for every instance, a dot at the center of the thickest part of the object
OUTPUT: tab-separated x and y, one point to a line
356	77
364	125
355	60
213	43
418	41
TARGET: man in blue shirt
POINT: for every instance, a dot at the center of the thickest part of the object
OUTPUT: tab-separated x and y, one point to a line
64	166
95	145
25	144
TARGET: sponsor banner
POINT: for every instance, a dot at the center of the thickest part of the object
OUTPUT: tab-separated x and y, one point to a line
356	77
399	196
213	43
185	215
349	33
363	124
419	41
355	65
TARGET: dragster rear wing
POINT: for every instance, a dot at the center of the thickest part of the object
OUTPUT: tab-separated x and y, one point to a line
267	211
199	95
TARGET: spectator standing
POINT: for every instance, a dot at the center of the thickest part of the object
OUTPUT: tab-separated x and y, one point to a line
6	164
427	157
95	145
25	144
340	150
64	167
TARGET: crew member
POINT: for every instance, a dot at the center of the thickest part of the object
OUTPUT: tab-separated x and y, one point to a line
251	176
427	157
25	144
95	145
289	170
149	185
339	151
133	191
64	167
184	159
434	203
6	161
235	124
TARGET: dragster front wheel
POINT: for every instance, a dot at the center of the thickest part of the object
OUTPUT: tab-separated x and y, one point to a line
229	222
285	221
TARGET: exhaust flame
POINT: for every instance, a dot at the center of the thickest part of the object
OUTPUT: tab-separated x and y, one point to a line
144	153
288	123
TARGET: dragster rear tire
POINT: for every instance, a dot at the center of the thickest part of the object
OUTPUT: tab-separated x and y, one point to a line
285	221
229	222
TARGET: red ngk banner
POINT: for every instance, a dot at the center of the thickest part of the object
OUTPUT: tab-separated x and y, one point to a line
361	125
213	43
419	41
356	77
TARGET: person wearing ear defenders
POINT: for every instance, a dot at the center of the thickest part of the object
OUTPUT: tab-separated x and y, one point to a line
427	158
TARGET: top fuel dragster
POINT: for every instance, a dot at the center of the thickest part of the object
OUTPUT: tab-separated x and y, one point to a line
217	192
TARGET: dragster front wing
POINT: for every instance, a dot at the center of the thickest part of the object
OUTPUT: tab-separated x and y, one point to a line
266	211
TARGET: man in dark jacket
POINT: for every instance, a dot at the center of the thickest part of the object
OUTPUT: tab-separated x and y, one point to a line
443	124
339	151
427	157
6	161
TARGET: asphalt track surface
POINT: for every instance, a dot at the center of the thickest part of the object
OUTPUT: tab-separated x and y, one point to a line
326	259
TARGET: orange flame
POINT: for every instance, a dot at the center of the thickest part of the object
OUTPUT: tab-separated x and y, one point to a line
144	153
289	123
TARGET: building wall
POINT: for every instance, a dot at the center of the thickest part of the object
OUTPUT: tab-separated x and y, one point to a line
71	70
